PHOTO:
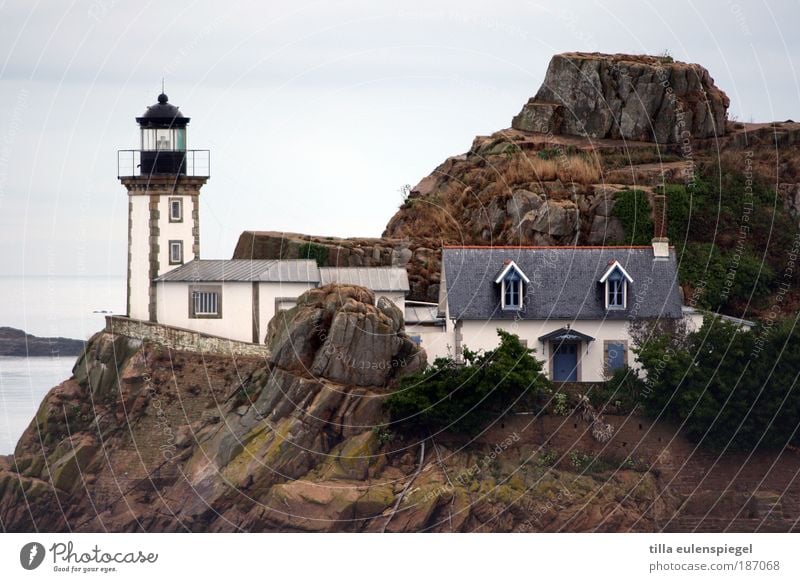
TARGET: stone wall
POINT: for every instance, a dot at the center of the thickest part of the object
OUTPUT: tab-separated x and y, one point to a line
181	339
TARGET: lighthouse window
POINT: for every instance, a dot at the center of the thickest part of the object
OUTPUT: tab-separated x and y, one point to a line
180	139
175	252
205	302
163	139
175	210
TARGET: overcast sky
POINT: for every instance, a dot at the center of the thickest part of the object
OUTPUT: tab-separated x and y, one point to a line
316	113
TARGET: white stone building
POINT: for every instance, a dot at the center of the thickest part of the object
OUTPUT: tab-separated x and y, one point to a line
571	304
169	284
237	298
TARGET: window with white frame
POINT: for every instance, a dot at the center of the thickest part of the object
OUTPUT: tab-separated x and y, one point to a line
512	286
205	302
175	252
175	210
615	286
615	281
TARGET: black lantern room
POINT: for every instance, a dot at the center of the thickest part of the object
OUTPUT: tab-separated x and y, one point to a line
163	149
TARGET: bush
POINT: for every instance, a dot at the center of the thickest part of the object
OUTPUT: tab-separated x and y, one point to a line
314	251
633	210
731	389
621	390
725	278
464	398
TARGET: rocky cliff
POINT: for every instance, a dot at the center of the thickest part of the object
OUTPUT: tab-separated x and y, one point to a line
142	438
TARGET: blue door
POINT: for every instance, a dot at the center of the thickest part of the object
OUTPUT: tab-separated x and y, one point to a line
565	363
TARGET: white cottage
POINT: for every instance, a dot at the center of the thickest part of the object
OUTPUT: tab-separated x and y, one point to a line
572	304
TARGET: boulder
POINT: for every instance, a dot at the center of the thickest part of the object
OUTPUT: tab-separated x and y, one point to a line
336	332
521	203
606	230
632	97
557	218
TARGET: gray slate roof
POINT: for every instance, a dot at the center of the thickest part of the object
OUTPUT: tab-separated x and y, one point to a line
563	282
375	278
284	271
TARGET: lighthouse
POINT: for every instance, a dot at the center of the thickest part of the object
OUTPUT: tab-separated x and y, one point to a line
163	179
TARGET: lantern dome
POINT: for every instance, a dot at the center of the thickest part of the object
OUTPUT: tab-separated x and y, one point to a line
162	114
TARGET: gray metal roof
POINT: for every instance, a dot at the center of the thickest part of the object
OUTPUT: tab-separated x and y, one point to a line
564	282
289	271
375	278
423	313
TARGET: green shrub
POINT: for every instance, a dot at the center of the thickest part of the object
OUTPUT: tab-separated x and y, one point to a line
560	404
310	250
547	459
621	390
730	389
464	398
680	206
633	210
725	277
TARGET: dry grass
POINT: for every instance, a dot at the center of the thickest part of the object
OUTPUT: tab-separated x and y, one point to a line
576	168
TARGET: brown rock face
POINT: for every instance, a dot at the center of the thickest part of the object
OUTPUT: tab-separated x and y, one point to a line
140	432
640	98
335	332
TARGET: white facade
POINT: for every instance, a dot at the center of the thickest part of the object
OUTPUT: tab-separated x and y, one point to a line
482	335
245	307
591	355
236	321
163	233
139	257
173	229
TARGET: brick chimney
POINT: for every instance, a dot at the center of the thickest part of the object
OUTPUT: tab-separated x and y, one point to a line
660	240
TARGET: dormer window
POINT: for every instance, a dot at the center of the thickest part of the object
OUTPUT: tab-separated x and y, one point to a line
512	291
616	291
615	281
512	283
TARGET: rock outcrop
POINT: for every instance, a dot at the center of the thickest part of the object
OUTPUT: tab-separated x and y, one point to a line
205	440
640	98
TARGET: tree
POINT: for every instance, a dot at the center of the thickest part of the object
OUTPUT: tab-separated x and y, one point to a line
464	397
731	389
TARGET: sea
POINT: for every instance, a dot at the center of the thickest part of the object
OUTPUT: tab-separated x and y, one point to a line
47	306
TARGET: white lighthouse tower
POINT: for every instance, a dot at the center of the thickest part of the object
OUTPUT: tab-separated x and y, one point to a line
163	180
